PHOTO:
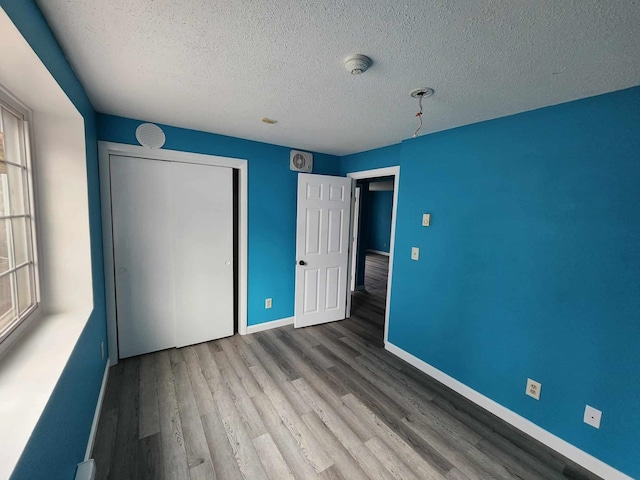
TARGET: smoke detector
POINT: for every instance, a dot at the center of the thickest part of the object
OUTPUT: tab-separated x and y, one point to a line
357	64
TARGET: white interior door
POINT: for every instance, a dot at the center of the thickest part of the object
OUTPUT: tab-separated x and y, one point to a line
173	253
202	224
142	255
322	248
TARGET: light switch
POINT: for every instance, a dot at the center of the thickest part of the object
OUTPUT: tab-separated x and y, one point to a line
426	219
415	253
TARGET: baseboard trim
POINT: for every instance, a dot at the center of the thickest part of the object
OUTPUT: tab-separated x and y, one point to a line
561	446
96	415
269	325
379	252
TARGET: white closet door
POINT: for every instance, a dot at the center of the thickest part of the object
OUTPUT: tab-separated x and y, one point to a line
202	231
142	255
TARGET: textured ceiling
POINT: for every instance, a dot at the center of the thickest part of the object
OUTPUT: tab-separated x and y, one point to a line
220	66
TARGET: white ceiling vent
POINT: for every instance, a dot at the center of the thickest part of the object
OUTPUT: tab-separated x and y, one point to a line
150	135
301	161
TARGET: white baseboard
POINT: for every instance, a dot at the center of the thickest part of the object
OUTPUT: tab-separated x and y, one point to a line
379	252
96	415
269	325
563	447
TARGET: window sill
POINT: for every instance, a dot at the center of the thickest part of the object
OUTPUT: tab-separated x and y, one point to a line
29	372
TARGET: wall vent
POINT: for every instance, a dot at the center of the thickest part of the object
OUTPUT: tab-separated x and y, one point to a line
301	161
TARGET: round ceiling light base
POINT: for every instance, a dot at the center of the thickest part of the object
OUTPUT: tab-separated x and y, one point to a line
422	92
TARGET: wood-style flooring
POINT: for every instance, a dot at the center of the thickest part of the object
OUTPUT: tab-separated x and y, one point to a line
324	402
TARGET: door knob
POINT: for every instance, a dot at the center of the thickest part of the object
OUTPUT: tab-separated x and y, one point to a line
302	262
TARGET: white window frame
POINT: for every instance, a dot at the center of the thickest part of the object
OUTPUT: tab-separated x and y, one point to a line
11	334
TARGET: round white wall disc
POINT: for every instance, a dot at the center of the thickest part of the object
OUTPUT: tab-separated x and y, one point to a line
150	135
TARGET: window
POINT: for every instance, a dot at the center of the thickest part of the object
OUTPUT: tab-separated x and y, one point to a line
18	295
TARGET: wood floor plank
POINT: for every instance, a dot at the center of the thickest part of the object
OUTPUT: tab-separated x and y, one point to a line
199	385
244	452
287	445
174	455
396	467
308	444
149	423
224	460
175	356
125	451
271	458
268	344
369	463
279	378
518	462
455	474
202	471
414	460
303	341
465	458
193	434
104	443
332	473
343	460
150	463
329	386
241	400
240	368
310	359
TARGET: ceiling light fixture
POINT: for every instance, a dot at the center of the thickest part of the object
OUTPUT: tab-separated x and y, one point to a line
420	93
357	64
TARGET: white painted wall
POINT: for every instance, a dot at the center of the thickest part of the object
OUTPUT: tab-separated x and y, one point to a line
63	215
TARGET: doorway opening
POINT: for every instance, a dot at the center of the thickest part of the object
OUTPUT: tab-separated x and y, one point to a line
373	233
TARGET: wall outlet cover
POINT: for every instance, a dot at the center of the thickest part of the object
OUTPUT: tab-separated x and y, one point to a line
426	219
415	253
592	416
268	303
533	389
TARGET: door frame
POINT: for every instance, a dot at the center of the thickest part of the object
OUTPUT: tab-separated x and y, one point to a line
105	150
355	226
375	173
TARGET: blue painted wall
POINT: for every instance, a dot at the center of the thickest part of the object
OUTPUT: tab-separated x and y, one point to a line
60	438
380	209
272	206
531	265
378	158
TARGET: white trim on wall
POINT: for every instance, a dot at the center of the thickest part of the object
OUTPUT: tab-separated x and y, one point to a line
385	172
561	446
260	327
96	415
105	149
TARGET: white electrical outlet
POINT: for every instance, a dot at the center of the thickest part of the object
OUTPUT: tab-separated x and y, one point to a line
533	389
267	303
592	416
415	253
102	350
426	219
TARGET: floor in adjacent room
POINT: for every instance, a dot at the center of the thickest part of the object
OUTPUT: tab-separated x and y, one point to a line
320	402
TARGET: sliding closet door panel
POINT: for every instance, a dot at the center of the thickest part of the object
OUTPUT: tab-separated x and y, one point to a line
202	231
142	255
